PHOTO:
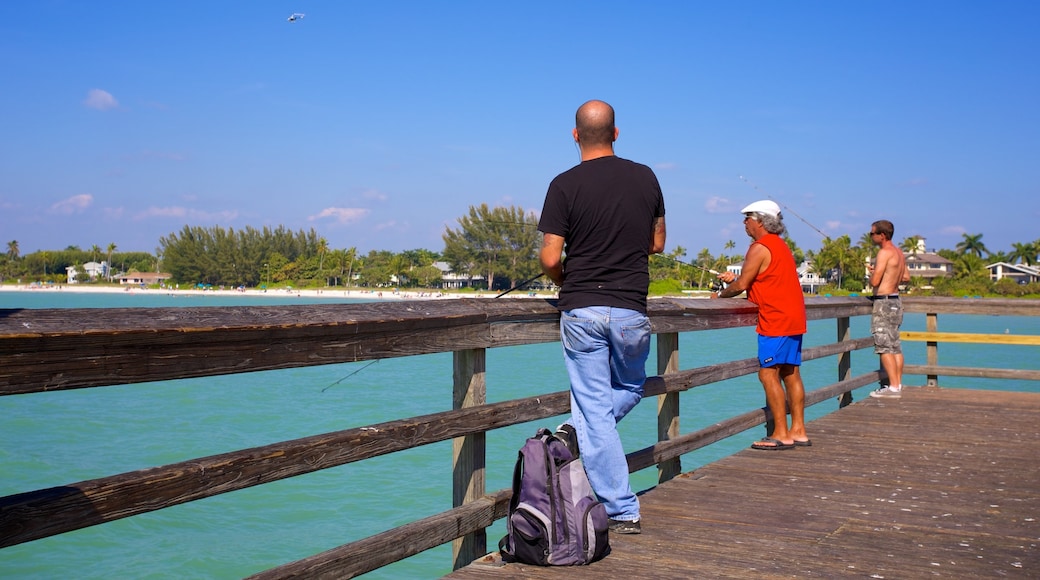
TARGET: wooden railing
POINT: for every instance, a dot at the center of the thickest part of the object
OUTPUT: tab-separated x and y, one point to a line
46	350
933	306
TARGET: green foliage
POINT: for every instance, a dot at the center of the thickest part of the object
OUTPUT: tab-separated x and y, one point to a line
853	284
494	242
664	287
500	244
972	244
841	257
1010	288
670	265
970	267
228	257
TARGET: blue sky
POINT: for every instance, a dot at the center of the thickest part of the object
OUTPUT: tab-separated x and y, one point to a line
379	123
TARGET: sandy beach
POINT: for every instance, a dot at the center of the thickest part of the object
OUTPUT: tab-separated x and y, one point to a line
354	293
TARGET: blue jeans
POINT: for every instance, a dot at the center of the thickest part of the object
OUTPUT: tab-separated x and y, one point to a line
606	350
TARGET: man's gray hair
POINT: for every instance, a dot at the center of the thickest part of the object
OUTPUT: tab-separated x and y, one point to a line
772	224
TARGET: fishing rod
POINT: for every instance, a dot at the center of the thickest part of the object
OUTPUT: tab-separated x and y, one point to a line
794	213
716	285
521	285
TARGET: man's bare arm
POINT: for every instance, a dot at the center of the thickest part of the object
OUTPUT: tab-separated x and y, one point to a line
551	257
660	233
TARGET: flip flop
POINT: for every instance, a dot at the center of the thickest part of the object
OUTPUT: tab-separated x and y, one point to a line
771	444
806	443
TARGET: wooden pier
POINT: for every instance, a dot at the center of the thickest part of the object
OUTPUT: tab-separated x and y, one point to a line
940	483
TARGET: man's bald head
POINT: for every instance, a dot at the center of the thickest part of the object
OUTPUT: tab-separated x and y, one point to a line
594	122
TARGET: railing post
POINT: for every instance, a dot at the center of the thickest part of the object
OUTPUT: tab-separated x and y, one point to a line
668	403
468	466
844	360
932	348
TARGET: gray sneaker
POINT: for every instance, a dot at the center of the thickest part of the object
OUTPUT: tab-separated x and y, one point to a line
624	526
887	392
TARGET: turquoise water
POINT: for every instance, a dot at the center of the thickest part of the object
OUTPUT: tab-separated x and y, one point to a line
63	437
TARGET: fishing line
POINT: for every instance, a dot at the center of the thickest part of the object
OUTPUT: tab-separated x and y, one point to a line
716	284
794	213
521	285
350	375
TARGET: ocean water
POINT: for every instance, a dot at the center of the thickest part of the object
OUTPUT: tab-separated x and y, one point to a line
64	437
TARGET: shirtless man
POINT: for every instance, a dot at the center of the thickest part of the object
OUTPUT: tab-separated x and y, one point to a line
885	277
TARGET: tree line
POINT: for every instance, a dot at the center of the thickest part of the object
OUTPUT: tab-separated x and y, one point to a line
495	248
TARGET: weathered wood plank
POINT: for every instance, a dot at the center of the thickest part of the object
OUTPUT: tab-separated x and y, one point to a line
973	372
939	483
37	514
998	306
388	547
54	349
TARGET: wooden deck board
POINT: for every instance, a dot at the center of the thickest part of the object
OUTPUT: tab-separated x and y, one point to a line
941	483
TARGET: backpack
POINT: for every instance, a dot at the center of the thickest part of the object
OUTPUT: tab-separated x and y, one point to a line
554	517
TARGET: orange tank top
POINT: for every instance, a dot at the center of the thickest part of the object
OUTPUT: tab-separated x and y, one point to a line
778	292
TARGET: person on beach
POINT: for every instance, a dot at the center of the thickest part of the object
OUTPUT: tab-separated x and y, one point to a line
770	277
607	214
888	272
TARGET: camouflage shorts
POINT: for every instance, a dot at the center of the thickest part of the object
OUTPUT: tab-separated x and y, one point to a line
884	325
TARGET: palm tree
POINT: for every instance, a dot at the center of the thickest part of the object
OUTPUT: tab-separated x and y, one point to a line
12	250
323	247
866	242
111	248
704	261
972	244
352	256
397	266
837	255
970	267
910	245
1025	252
94	251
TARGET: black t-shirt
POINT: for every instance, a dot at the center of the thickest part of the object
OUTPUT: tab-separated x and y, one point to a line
604	209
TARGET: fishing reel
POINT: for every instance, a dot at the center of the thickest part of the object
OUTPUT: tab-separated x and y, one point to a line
717	285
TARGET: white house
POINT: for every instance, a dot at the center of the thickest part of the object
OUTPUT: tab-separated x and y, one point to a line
145	278
927	265
1021	273
449	279
810	280
93	270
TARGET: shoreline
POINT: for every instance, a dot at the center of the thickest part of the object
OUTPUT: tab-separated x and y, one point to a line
352	293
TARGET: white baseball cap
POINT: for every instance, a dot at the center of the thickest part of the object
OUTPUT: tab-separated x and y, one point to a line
765	206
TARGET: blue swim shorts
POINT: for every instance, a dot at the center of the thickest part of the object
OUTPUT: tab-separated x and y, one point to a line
779	350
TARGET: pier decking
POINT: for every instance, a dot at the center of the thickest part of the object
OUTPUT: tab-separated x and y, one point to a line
940	483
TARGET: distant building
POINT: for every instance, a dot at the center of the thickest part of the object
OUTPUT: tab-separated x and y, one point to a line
144	278
810	280
450	279
1021	273
93	270
926	265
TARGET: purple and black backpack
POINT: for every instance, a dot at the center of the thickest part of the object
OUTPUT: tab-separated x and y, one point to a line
554	516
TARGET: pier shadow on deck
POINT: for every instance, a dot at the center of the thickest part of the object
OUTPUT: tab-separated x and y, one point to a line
940	483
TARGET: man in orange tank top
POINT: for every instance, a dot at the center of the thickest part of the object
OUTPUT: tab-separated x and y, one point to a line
770	277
